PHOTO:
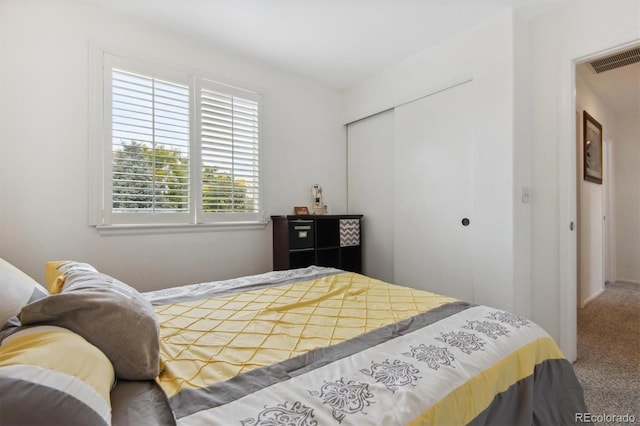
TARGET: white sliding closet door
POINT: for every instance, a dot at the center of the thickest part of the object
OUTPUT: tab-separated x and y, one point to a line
433	191
370	189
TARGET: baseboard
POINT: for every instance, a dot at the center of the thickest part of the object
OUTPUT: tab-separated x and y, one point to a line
628	281
590	298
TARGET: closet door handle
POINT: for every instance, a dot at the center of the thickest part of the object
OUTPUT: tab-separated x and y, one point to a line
465	221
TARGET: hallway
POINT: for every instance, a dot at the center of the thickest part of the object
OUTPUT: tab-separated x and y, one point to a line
608	364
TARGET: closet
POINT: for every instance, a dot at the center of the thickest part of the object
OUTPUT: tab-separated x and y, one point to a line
411	169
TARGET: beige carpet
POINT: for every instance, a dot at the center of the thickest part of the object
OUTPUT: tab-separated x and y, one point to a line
608	364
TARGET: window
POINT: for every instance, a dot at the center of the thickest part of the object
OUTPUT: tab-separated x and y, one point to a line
229	135
177	148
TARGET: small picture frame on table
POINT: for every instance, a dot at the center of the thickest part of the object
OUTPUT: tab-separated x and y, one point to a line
301	210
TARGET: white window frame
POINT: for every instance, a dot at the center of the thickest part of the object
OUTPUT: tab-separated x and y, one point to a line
100	150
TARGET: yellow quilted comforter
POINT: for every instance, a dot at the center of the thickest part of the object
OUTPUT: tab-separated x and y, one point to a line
214	339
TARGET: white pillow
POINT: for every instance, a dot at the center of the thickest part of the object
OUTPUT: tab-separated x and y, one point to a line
16	290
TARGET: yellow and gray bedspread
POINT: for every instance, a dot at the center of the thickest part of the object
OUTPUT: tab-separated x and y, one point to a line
319	346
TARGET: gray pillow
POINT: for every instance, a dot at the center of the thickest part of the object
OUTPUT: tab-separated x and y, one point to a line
110	315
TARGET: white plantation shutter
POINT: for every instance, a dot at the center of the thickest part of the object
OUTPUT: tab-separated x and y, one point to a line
150	144
178	148
230	134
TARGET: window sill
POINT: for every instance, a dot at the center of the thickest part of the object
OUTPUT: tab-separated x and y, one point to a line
176	228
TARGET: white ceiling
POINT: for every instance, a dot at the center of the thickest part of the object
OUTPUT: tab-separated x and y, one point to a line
336	42
618	88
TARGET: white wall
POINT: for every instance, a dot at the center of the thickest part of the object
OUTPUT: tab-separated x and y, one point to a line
591	203
522	191
44	173
627	188
558	38
484	54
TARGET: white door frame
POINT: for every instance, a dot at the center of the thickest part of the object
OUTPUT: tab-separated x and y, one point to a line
609	203
567	192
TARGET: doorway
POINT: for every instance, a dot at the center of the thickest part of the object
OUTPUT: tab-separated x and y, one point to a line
601	94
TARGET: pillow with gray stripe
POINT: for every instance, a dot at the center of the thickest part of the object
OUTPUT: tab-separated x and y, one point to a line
111	315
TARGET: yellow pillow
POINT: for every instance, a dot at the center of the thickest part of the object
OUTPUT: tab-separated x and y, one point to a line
53	276
51	375
55	273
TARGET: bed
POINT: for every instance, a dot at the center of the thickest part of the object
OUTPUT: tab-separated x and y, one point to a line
311	346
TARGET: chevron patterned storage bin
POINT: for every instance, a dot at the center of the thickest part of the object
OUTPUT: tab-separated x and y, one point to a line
349	232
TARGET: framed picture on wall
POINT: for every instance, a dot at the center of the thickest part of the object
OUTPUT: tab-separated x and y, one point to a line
592	148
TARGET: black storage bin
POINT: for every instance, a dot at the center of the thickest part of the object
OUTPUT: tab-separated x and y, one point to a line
301	234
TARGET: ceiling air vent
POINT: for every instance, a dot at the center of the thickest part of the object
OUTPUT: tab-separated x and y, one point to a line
616	61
